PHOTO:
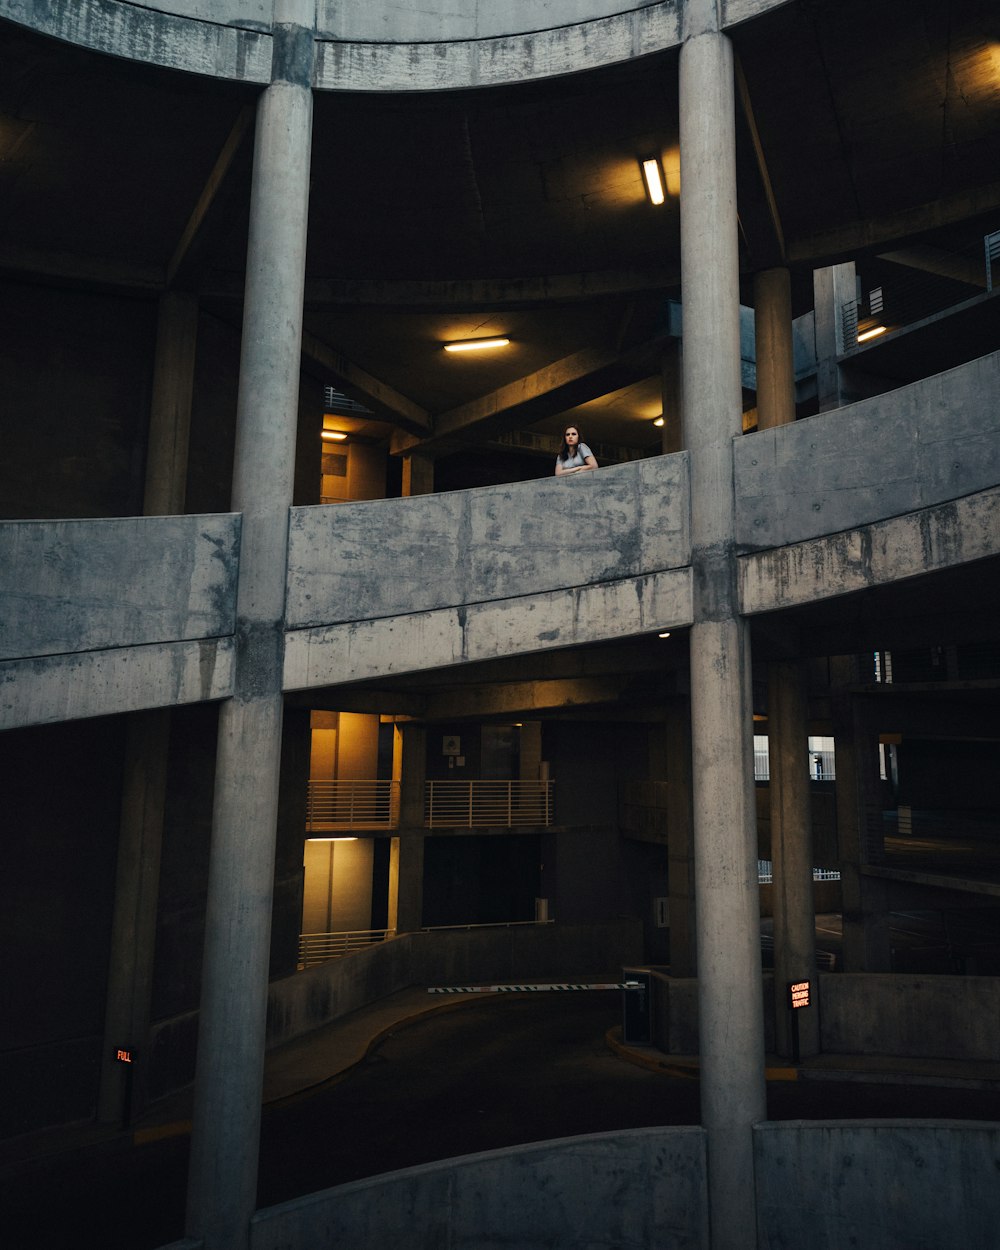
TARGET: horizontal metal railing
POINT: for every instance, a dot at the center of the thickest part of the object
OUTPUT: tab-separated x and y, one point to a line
490	924
318	948
336	806
487	804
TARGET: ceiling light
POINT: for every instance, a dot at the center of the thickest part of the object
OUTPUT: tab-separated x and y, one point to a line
653	179
665	634
475	345
873	333
337	839
333	436
658	422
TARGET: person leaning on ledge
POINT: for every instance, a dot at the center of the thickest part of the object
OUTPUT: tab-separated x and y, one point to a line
575	457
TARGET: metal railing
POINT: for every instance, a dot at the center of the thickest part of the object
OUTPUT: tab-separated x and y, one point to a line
318	948
488	804
765	873
337	806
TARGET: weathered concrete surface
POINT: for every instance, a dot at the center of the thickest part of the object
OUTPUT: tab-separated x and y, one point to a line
736	11
605	1191
105	683
910	1017
69	586
490	61
931	1017
877	1185
423	640
206	46
921	445
872	555
393	556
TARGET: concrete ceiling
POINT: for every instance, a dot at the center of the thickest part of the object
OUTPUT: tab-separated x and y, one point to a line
865	127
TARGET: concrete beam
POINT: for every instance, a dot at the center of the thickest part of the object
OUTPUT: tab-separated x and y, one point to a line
107	683
359	650
933	539
102	273
381	398
187	249
563	384
524	697
944	264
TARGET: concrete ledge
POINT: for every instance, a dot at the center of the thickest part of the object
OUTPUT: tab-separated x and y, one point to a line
69	586
873	555
877	1184
144	33
644	1187
485	631
105	683
913	448
392	557
430	63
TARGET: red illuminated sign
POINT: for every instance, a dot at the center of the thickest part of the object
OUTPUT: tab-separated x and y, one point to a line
124	1056
798	994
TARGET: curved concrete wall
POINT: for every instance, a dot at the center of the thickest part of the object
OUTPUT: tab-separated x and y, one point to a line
880	1184
391	45
646	1187
393	556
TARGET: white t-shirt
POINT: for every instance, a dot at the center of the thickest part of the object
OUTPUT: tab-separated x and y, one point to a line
577	460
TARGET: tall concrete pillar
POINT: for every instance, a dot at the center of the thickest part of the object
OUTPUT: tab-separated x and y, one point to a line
406	856
224	1143
772	291
730	1005
122	1091
791	851
418	473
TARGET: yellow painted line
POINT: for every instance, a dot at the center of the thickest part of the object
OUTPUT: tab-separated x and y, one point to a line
781	1074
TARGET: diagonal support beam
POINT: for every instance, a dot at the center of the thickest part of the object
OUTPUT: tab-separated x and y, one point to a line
573	380
381	398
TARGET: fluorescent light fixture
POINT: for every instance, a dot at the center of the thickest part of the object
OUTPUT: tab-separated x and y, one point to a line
653	179
331	839
873	333
333	436
475	345
665	634
658	422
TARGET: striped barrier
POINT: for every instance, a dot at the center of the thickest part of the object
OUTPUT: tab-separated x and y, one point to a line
530	989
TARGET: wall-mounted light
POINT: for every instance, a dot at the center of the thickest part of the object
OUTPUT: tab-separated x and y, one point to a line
475	345
658	422
665	634
873	333
652	176
333	436
331	839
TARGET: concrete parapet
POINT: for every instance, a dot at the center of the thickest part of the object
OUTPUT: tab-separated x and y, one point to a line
645	1187
393	556
885	1184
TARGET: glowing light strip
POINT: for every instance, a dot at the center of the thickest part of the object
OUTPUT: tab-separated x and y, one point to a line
872	334
475	345
654	183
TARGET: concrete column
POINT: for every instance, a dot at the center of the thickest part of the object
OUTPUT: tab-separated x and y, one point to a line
418	473
122	1091
791	851
680	842
224	1143
775	354
729	977
866	944
123	1086
406	856
833	287
672	431
170	413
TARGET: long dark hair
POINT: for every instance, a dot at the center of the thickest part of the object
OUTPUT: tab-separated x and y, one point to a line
565	453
